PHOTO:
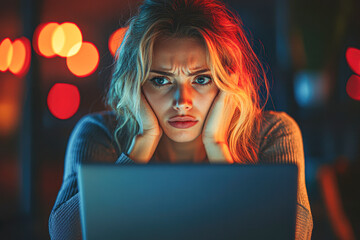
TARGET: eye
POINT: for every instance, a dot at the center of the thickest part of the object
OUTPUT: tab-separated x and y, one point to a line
159	81
203	80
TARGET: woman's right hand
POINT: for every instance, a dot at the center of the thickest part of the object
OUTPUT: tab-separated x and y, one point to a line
145	145
151	124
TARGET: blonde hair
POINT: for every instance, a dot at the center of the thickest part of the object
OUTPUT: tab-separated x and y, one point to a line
232	62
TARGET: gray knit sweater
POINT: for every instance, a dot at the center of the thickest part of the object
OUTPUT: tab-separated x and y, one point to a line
92	140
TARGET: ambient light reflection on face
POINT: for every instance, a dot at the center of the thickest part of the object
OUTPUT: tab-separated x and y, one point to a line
180	84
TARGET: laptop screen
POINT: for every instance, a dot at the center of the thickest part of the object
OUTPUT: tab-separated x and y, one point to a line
188	201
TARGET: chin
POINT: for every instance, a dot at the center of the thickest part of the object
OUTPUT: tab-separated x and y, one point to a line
183	140
182	136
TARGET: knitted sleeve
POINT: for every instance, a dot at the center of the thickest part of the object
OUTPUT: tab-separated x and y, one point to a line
281	142
90	141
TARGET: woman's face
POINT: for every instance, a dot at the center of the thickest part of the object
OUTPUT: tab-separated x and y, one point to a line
180	84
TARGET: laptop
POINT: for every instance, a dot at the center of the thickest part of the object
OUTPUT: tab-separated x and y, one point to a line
187	201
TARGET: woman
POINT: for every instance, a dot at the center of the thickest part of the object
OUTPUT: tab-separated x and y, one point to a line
185	89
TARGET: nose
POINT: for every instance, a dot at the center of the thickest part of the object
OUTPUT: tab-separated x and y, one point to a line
182	99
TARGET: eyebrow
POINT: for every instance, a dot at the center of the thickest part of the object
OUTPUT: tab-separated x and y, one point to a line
190	74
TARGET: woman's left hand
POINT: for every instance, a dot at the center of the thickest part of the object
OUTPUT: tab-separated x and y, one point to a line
218	119
215	130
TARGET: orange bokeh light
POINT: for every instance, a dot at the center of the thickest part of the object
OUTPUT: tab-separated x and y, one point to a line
116	39
66	39
85	61
63	100
9	112
44	39
6	53
353	59
353	87
21	56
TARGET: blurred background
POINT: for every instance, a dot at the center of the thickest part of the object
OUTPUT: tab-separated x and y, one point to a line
310	49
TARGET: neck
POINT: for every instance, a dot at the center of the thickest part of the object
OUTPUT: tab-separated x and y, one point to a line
175	152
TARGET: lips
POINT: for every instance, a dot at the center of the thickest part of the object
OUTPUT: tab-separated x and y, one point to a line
182	119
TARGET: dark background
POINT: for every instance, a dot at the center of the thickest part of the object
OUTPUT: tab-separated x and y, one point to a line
291	38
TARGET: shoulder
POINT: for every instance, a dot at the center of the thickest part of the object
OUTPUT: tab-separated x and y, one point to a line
277	123
281	143
96	125
93	136
280	138
105	120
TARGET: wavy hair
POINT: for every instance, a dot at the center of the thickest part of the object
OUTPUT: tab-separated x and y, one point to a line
232	62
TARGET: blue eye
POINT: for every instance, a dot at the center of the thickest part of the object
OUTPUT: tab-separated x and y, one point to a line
159	81
203	80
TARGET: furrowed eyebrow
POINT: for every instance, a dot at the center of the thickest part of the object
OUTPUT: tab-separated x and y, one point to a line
171	74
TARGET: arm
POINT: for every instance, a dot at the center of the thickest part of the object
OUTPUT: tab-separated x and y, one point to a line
281	142
90	141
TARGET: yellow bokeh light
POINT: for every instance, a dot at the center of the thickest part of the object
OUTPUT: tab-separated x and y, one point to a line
66	40
58	39
6	53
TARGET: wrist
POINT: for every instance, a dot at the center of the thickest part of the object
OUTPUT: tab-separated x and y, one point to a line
218	152
143	148
213	142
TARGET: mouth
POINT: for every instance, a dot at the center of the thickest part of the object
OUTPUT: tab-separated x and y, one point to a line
182	121
183	118
182	124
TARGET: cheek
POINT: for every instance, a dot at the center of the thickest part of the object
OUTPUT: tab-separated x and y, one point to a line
206	100
156	101
210	96
159	108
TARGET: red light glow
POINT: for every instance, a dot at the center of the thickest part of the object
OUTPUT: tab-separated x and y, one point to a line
6	53
63	100
115	40
353	87
85	61
353	59
21	56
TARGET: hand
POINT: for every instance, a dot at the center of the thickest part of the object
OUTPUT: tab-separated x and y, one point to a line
218	119
150	122
144	146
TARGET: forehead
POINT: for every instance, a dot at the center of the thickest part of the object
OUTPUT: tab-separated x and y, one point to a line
173	53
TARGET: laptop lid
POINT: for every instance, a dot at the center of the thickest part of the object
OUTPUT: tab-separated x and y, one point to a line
188	201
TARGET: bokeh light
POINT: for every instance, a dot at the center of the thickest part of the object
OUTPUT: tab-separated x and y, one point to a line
311	88
11	99
353	87
6	53
304	90
63	100
353	59
85	61
66	39
43	36
9	116
115	40
21	56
